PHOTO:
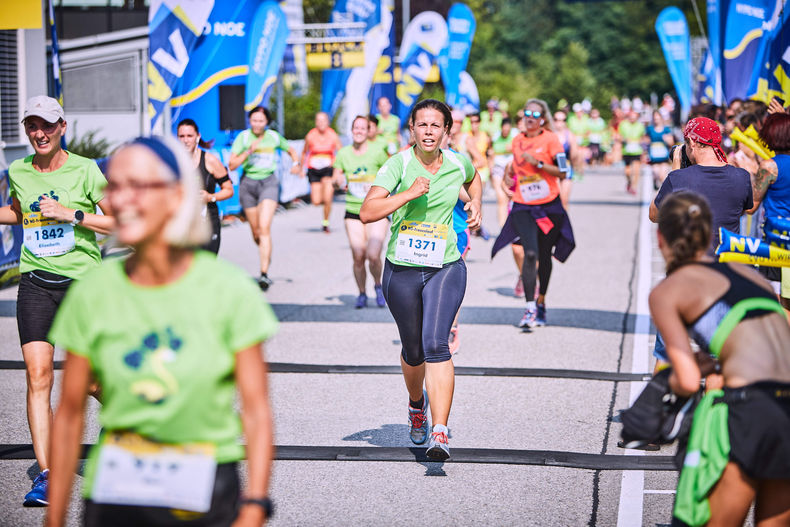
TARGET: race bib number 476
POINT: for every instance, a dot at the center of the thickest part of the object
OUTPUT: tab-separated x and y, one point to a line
46	237
421	243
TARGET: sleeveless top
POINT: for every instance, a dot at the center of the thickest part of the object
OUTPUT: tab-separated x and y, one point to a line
209	185
777	200
743	300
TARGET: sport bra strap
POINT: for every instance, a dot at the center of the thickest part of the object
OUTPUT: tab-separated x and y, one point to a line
735	315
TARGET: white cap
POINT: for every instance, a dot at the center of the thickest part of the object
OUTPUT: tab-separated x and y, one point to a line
45	107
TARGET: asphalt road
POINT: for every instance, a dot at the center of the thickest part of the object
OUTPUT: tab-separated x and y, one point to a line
533	432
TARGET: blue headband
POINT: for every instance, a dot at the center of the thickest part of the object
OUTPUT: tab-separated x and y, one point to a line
161	151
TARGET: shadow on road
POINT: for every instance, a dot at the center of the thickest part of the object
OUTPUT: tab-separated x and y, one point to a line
389	435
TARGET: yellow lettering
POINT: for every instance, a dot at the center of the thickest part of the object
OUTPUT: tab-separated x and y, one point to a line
382	76
408	89
158	89
737	245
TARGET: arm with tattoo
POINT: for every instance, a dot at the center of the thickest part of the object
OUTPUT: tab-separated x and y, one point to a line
765	175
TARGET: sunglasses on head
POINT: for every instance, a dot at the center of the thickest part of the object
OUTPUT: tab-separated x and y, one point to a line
530	113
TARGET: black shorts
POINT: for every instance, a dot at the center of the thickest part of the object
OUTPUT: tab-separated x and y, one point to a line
758	422
351	216
628	159
224	508
314	175
38	297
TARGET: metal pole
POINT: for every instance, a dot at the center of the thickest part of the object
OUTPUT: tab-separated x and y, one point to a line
406	14
280	103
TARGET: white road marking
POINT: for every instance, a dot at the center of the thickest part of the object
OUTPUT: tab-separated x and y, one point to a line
660	492
632	484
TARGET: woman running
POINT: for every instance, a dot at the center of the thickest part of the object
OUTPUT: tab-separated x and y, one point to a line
255	150
355	169
661	140
179	335
424	275
320	145
213	173
570	146
739	446
54	195
503	155
631	132
537	218
477	146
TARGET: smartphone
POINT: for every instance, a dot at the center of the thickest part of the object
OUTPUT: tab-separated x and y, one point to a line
780	101
562	162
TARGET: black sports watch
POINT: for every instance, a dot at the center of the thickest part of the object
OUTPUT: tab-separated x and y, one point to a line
78	217
264	503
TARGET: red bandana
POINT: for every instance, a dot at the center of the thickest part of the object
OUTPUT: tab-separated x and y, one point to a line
706	131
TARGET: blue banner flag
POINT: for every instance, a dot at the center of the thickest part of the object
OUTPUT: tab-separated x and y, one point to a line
173	30
384	77
706	80
333	82
455	56
741	40
266	49
770	77
468	100
715	32
423	40
57	85
673	33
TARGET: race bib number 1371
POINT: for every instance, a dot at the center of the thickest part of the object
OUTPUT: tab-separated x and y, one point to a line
421	243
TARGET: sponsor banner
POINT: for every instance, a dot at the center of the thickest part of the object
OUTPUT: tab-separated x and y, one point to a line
673	33
455	55
294	64
706	79
743	31
334	82
424	38
745	249
715	20
173	30
335	55
770	75
10	235
384	76
468	100
266	48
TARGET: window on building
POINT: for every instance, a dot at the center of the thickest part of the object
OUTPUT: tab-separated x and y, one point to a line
9	87
103	87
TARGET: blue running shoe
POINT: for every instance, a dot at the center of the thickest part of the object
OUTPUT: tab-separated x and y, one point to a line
438	448
380	301
529	320
418	422
37	497
540	317
362	301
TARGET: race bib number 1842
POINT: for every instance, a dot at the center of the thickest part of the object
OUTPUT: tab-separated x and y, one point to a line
46	237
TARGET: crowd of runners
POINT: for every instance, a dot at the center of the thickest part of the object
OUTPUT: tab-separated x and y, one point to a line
421	182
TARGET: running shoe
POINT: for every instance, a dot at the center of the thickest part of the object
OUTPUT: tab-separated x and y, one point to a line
454	341
380	301
529	318
418	421
264	282
362	301
518	291
438	448
37	497
325	226
540	317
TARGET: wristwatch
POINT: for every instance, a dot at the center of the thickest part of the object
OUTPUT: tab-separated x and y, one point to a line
78	217
264	503
213	198
539	165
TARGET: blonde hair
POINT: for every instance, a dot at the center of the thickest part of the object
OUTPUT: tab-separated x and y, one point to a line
188	227
548	119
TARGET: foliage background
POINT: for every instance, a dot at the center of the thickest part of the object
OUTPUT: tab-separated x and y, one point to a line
550	49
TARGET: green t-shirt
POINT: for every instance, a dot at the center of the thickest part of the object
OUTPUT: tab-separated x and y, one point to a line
389	129
579	127
632	134
50	245
360	171
434	208
263	162
500	144
165	356
491	123
379	143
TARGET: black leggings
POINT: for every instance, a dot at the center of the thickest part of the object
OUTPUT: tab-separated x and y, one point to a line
424	302
537	250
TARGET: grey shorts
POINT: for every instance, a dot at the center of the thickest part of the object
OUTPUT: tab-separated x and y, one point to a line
254	191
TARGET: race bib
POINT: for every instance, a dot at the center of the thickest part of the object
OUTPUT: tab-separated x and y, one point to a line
533	189
135	471
633	146
502	160
595	138
659	151
421	243
320	161
46	237
262	160
358	189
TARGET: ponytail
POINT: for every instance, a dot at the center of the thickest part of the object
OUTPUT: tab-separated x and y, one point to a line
684	221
